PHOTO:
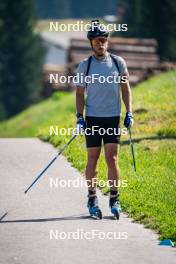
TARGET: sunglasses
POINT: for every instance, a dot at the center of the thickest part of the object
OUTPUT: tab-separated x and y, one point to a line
96	41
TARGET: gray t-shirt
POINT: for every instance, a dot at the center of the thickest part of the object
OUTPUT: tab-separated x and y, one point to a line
103	99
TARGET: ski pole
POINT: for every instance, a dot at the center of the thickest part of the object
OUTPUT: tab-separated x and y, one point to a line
132	150
50	163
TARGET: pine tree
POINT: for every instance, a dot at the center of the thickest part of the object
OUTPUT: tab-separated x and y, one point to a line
152	19
53	9
21	56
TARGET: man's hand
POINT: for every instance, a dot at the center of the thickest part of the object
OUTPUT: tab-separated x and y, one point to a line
128	122
81	125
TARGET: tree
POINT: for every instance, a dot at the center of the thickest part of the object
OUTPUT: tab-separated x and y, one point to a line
21	57
152	19
53	9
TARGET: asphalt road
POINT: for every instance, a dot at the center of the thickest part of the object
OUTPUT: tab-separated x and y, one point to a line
51	224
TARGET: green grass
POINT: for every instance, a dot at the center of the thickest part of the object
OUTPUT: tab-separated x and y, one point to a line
150	196
38	118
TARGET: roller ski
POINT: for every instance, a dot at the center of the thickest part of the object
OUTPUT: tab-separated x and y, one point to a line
114	205
93	207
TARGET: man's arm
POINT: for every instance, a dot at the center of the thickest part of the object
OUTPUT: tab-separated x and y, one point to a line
126	94
127	98
80	99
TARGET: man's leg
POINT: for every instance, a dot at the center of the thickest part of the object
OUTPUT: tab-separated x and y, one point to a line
111	156
91	177
93	143
93	154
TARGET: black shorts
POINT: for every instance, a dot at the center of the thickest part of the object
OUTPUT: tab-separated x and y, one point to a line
105	128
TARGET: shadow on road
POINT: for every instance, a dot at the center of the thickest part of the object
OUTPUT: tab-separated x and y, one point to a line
73	217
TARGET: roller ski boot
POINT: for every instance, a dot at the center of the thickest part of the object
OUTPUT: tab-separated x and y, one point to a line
114	204
93	207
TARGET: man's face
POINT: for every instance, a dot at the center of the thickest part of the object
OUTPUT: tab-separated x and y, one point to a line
100	45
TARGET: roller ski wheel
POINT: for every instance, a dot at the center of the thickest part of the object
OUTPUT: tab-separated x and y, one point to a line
92	204
115	206
116	213
95	213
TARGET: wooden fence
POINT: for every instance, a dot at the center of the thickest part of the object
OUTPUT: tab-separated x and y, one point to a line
140	54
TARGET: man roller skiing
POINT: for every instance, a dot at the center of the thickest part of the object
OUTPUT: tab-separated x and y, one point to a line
102	110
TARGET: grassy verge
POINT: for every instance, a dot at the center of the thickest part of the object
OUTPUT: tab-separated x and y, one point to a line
150	195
